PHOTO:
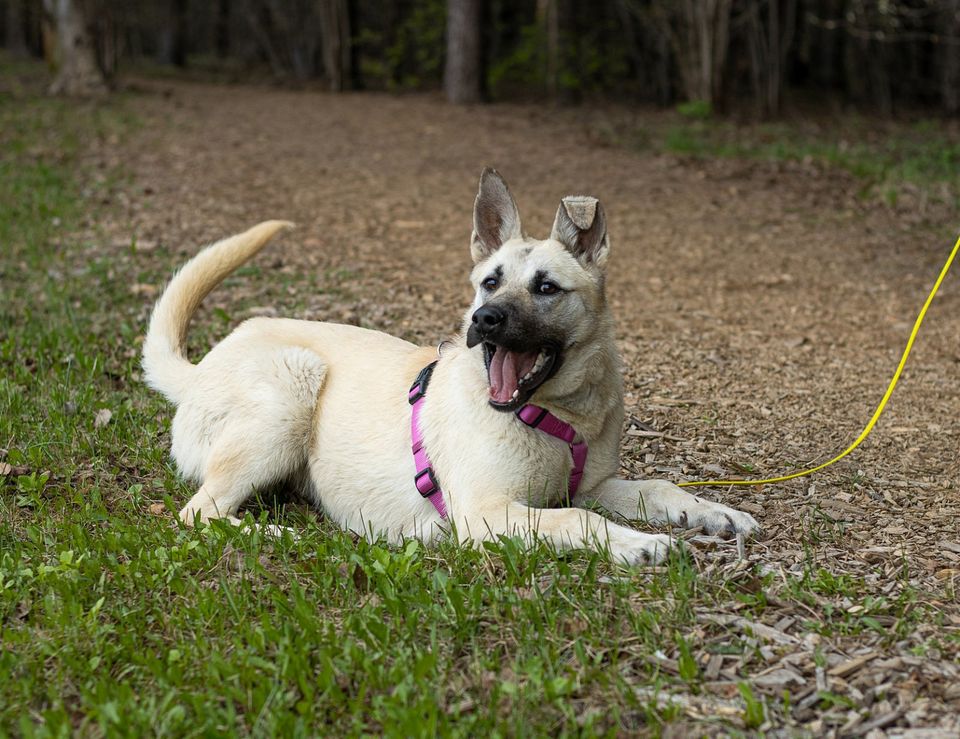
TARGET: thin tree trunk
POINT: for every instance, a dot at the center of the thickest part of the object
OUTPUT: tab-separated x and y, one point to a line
549	16
699	33
77	70
172	45
629	36
179	26
769	41
720	45
462	74
950	58
16	38
222	31
335	29
353	21
775	57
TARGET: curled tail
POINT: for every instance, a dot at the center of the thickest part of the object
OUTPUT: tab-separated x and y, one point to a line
165	365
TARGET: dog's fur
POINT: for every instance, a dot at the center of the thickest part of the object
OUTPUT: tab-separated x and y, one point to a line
325	405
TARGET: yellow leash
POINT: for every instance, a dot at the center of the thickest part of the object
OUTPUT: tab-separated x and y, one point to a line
876	415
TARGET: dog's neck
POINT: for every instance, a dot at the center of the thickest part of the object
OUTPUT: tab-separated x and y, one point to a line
588	392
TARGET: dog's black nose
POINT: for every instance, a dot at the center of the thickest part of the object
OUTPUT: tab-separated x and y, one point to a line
487	318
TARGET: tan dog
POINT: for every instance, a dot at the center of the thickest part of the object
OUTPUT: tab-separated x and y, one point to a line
325	405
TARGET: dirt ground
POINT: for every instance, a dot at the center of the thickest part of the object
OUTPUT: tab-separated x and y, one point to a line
762	309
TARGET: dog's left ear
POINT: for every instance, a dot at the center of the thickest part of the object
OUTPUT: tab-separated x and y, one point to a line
582	227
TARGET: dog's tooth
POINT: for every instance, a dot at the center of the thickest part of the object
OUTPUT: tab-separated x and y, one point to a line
516	394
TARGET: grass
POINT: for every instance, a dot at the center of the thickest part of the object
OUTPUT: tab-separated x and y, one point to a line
892	161
116	620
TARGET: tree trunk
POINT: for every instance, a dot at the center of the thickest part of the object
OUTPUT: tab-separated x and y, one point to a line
222	29
172	47
549	16
179	21
16	38
335	30
76	63
353	22
950	58
461	78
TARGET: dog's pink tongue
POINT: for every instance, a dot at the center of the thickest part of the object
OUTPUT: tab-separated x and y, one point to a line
506	369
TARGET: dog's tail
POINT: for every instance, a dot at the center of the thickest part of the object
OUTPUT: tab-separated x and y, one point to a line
165	365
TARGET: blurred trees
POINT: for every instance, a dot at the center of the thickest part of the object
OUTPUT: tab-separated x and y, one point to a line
699	33
753	55
15	36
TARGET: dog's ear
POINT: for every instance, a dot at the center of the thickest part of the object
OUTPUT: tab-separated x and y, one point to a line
582	227
496	219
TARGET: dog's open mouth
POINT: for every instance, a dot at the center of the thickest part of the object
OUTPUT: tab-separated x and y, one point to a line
514	375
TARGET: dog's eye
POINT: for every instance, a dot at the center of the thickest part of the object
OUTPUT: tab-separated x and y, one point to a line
548	288
491	283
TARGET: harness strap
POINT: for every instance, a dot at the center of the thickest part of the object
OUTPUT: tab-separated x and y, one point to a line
543	420
424	479
532	415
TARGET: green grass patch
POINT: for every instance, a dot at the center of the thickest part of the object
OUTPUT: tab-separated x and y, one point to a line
890	159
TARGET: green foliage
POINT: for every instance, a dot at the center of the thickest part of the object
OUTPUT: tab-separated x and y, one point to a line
686	663
754	712
590	59
700	110
524	66
409	53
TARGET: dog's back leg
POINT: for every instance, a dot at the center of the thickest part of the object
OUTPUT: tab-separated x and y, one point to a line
262	441
239	464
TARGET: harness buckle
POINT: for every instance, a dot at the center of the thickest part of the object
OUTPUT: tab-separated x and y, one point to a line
419	387
532	415
426	487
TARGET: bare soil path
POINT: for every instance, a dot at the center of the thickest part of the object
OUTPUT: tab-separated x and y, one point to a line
762	308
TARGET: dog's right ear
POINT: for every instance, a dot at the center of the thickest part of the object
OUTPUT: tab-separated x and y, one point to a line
496	219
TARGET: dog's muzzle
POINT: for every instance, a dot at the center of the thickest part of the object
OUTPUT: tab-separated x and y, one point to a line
518	361
487	324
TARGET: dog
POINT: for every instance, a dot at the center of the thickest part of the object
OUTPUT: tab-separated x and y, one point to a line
330	407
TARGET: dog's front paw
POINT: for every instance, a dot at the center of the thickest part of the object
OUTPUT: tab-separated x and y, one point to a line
633	548
717	519
663	502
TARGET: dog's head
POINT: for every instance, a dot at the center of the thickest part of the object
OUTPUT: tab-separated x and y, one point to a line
539	305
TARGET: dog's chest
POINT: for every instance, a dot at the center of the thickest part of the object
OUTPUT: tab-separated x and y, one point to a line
500	456
547	474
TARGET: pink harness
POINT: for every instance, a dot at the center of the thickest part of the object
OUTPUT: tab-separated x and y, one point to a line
532	415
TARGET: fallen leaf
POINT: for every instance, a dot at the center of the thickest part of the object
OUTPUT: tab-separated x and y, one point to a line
102	418
141	288
5	469
852	665
263	310
157	508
